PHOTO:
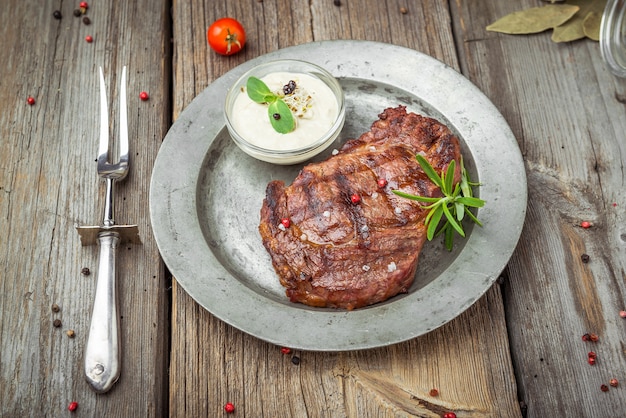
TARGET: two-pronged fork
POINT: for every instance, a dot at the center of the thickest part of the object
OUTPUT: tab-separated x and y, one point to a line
102	354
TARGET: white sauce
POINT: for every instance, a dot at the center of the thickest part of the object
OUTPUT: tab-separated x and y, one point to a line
252	122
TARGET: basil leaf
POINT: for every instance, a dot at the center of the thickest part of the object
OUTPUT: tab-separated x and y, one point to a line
285	122
259	92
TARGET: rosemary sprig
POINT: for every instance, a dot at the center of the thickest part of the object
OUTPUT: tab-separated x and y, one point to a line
454	205
279	113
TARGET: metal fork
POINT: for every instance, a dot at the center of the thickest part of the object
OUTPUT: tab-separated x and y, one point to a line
102	353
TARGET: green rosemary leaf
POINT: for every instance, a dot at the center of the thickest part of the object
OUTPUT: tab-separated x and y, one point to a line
429	170
471	201
460	210
452	221
473	217
415	197
434	221
259	92
449	178
281	117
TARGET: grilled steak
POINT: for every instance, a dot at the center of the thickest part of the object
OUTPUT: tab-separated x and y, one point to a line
350	242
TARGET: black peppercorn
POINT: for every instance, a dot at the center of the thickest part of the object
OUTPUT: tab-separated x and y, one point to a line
295	360
585	258
57	323
55	308
57	14
86	20
77	13
337	3
276	116
85	271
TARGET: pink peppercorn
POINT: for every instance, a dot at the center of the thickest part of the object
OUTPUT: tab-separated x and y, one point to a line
591	361
89	39
144	96
73	406
449	415
622	314
585	224
30	100
355	198
285	350
604	388
285	222
382	183
229	408
614	383
83	5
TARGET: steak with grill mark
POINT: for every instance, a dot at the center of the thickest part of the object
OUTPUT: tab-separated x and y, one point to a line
341	254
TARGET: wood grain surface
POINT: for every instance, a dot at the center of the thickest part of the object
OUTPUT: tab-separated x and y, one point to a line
48	183
517	352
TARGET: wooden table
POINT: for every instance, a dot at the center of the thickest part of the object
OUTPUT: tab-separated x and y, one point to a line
518	351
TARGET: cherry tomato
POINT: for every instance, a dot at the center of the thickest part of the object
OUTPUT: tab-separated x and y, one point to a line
226	36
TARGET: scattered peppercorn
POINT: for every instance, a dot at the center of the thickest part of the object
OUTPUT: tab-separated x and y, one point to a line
449	415
84	5
586	337
295	360
355	198
86	20
604	388
382	183
55	307
403	10
289	88
77	12
592	354
30	100
57	14
229	408
614	383
591	361
337	3
85	271
276	116
70	333
73	406
144	96
285	350
585	258
57	323
89	39
594	337
622	314
585	224
285	222
433	392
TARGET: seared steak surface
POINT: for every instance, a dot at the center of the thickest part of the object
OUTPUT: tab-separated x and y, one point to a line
340	253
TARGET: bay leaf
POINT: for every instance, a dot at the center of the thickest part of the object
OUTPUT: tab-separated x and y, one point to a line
535	19
591	25
573	29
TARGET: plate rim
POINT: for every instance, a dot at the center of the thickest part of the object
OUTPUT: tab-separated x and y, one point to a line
173	206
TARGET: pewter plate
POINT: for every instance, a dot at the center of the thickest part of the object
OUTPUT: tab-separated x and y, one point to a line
205	197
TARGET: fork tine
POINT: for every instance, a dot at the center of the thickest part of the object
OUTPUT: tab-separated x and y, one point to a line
103	149
123	122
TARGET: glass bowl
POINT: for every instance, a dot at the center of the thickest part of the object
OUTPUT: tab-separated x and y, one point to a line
613	36
254	133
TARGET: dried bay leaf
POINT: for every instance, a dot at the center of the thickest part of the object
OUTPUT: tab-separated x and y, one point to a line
574	28
534	20
591	26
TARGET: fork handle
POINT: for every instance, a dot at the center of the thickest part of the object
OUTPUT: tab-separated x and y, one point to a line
102	354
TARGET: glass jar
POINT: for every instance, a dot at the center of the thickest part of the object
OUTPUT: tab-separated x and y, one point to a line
613	36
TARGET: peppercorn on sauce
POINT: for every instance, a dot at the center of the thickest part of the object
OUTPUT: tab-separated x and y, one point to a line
313	105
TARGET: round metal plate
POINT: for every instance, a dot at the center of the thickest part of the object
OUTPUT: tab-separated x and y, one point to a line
206	194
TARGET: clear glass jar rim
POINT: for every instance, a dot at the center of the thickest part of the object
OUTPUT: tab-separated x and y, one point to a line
613	37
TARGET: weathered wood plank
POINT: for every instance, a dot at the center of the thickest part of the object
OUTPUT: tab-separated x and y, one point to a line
467	360
563	107
48	183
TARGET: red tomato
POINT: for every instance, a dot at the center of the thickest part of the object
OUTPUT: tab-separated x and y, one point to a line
226	36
